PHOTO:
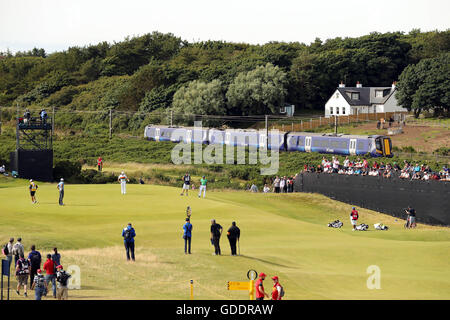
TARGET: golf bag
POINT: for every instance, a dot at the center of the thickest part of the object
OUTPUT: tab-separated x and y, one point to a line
362	227
380	226
335	224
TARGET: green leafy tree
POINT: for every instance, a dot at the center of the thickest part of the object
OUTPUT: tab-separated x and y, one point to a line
259	91
426	86
200	98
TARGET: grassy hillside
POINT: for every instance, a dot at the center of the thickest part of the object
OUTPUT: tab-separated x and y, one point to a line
284	235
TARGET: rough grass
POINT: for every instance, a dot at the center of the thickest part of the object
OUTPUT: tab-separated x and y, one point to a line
284	235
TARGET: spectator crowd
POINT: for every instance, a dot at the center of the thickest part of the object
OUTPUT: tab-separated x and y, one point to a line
362	167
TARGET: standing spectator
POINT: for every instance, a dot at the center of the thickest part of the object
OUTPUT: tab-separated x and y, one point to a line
22	272
2	169
9	254
233	234
18	250
35	262
411	220
62	279
186	183
259	287
277	289
33	188
335	165
123	182
100	164
203	183
26	116
43	115
346	163
276	185
187	235
216	232
282	184
60	188
56	257
39	285
354	218
128	234
50	276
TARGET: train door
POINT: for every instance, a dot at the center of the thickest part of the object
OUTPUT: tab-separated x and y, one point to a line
157	134
262	140
227	138
188	136
352	147
307	144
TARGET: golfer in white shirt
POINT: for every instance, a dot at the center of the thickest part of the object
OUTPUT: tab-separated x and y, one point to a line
123	182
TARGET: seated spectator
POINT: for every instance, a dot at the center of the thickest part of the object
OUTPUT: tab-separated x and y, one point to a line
435	176
341	171
387	173
396	166
365	163
417	168
404	174
416	176
2	169
382	166
254	188
365	172
350	171
266	189
358	171
426	176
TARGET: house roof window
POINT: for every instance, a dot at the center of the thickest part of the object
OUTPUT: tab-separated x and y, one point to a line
355	95
379	93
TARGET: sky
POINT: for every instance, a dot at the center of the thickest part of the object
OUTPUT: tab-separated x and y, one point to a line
56	25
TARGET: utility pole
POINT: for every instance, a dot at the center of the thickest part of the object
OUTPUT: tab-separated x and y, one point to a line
110	123
335	125
267	132
53	125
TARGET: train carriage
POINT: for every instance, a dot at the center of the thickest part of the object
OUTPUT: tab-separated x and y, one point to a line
375	146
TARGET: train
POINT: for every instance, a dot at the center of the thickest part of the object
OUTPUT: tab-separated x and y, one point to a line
327	143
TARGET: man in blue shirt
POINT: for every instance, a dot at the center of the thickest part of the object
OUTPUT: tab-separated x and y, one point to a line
128	235
35	261
187	235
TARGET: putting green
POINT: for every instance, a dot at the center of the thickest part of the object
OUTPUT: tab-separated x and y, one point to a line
284	235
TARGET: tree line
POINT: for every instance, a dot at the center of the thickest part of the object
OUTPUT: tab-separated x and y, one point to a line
157	71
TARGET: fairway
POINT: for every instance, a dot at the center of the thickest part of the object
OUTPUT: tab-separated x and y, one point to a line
281	234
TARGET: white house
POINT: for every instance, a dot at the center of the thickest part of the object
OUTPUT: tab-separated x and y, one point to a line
357	100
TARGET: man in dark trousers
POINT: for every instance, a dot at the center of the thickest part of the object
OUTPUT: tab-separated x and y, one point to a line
216	232
233	234
128	234
35	261
187	235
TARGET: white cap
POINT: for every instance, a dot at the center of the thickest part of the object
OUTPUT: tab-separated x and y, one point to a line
31	180
123	172
62	179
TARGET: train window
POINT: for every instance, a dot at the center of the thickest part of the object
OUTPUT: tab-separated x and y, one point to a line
378	144
360	145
